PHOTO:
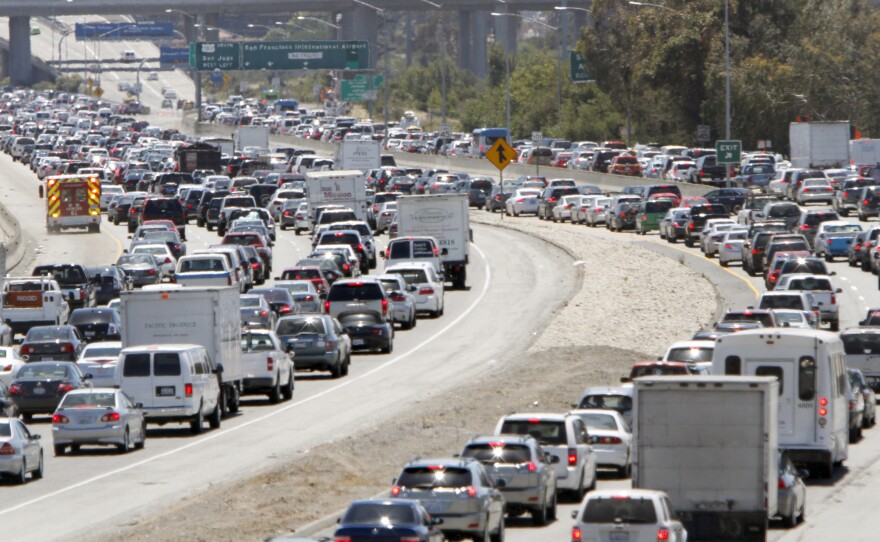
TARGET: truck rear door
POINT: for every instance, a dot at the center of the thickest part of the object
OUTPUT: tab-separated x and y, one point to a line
783	370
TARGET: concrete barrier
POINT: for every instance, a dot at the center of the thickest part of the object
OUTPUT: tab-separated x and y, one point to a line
473	166
15	244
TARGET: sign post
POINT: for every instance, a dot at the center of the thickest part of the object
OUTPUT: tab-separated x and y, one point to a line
500	154
728	152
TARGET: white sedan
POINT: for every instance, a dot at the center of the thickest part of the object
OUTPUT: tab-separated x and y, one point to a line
815	190
9	364
612	438
429	287
523	201
99	360
166	260
730	247
562	211
22	451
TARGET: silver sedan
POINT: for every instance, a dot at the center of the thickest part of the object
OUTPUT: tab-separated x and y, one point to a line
101	416
20	451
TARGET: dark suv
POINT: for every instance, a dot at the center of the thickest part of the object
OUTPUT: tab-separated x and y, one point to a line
847	197
551	197
164	209
753	252
869	203
362	293
699	215
74	281
809	223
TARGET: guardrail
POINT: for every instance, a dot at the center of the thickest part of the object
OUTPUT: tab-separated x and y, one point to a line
474	166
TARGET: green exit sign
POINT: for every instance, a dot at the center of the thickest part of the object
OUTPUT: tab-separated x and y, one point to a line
728	151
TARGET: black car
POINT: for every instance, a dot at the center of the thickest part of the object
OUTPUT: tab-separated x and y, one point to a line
134	213
110	281
204	203
809	223
396	519
699	215
846	198
97	324
164	209
550	198
733	199
279	299
39	386
869	203
368	330
496	199
58	343
74	281
191	203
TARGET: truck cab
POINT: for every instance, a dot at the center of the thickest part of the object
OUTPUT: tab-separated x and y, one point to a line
32	301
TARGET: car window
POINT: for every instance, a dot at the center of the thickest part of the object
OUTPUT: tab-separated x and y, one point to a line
619	509
166	364
498	452
861	343
97	399
297	326
5	429
49	371
614	402
771	370
136	365
370	514
355	291
435	476
690	354
550	433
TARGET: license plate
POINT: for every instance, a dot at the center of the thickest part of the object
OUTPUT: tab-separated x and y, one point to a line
300	345
89	333
619	537
39	391
357	342
165	391
86	421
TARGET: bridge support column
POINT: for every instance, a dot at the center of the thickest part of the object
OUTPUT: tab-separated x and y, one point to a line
505	32
20	70
211	22
465	38
189	31
362	23
480	31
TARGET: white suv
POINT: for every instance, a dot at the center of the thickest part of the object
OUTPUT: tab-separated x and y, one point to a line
630	514
429	288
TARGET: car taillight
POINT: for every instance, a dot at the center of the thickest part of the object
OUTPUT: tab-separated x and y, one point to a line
341	539
610	440
228	280
309	298
7	449
827	241
26	349
395	491
691	226
823	403
471	491
255	265
728	246
110	417
329	346
663	534
532	466
286	213
384	307
188	390
426	291
270	364
410	539
82	295
865	202
66	347
576	534
805	227
327	307
572	457
131	212
284	309
14	389
59	418
520	200
64	387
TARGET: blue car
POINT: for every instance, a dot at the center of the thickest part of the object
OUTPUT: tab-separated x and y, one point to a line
387	520
834	238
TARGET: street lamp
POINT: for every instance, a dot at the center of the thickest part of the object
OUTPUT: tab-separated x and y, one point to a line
60	41
55	21
322	21
387	41
507	56
267	28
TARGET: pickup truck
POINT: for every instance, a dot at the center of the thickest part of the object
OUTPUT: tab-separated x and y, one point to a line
823	294
32	301
267	367
204	270
230	202
78	289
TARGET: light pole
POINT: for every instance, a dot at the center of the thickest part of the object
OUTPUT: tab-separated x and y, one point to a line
507	59
61	40
381	12
55	21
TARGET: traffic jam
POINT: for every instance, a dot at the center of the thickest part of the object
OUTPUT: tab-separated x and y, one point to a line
176	332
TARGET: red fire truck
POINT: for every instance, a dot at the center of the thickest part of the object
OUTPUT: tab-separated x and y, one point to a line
72	201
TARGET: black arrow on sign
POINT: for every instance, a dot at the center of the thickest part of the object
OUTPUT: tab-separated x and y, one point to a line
502	158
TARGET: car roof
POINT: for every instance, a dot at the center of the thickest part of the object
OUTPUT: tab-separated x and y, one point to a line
444	461
542	416
521	439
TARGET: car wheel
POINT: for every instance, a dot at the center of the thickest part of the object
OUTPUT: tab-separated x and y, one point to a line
139	445
498	536
336	371
296	231
688	243
551	514
484	536
21	478
388	349
209	226
828	257
539	515
126	443
287	391
844	212
214	420
59	449
862	218
195	426
275	394
74	448
722	263
38	474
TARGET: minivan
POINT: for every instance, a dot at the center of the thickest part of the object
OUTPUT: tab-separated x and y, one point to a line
811	368
414	249
177	383
356	294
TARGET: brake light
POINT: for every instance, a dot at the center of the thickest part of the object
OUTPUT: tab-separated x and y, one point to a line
341	539
691	226
270	364
610	440
188	390
7	449
327	307
309	298
384	307
532	466
66	347
520	200
409	539
576	535
828	241
228	279
64	387
284	309
663	534
330	346
754	251
572	457
14	389
823	403
110	417
805	227
426	291
865	202
471	491
27	349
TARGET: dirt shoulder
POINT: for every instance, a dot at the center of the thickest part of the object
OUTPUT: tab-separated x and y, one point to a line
579	348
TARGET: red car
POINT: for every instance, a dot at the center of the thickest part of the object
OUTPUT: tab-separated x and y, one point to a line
313	274
625	164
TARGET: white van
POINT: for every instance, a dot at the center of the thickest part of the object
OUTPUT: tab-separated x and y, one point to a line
412	250
811	368
175	383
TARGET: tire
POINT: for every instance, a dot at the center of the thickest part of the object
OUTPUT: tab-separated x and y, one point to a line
297	230
843	212
27	416
21	477
287	391
790	521
336	371
59	449
625	472
195	426
862	218
38	474
828	257
216	415
200	223
234	403
552	513
346	366
688	243
498	536
539	515
275	394
143	442
209	226
126	443
722	263
389	348
835	325
484	536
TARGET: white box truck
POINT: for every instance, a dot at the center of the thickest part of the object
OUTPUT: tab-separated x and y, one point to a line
347	188
865	152
206	316
360	155
445	218
819	144
251	136
710	444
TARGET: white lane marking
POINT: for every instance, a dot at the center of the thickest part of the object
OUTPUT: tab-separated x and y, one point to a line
223	432
854	288
861	298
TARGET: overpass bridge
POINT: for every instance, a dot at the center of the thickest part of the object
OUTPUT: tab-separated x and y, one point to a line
357	20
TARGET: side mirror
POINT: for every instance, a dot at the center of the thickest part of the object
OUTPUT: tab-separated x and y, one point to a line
553	459
219	369
833	273
436	521
36	437
625	379
803	473
659	358
574	514
593	439
444	251
861	323
838	291
138	405
24	357
87	376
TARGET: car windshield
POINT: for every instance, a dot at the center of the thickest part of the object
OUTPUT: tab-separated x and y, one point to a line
256	342
690	354
300	326
355	291
150	249
550	433
379	514
296	287
620	403
201	264
435	476
790	319
783	211
810	284
782	302
249	301
861	343
273	295
64	275
498	452
101	351
843	228
135	259
618	510
89	316
47	334
413	276
89	400
43	371
599	421
763	318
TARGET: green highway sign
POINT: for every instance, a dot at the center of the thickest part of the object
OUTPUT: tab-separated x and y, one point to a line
280	55
578	68
728	151
218	55
301	55
360	88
